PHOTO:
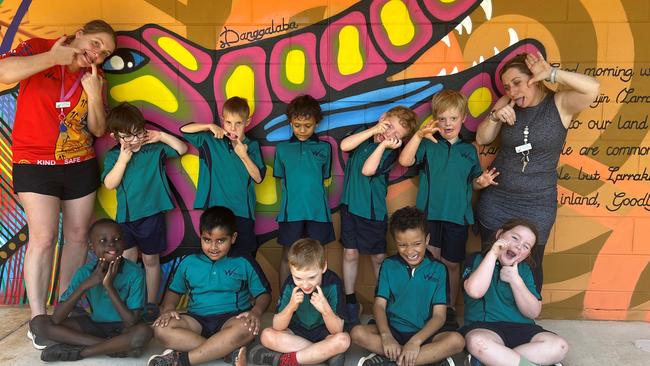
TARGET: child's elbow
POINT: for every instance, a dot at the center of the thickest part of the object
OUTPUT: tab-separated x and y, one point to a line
182	149
368	172
405	162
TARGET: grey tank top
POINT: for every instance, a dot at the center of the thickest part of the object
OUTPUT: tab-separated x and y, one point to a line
531	194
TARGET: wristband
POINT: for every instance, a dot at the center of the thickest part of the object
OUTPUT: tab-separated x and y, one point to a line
493	117
552	76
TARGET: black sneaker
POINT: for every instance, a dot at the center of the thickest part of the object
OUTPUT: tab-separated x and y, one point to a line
338	360
62	352
374	359
150	313
168	358
261	355
38	342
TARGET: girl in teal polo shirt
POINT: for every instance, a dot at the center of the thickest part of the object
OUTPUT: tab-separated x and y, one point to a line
501	303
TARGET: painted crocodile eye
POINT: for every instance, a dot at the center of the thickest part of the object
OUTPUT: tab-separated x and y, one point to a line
125	60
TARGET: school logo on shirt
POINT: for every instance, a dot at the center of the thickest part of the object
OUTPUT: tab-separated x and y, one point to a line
430	277
230	272
318	154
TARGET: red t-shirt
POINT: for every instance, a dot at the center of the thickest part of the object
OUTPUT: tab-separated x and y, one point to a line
41	135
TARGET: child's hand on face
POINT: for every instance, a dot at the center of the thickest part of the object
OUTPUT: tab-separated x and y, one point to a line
240	148
428	130
487	178
510	274
152	136
391	348
125	154
98	274
319	301
251	321
217	131
297	297
111	272
382	125
499	247
392	143
409	354
164	318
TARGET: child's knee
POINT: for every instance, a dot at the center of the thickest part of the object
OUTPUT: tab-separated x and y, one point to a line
341	342
456	341
141	335
378	258
39	324
350	255
560	346
476	344
357	334
267	337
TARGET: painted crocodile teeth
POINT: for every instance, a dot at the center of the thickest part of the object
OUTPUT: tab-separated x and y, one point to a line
442	72
496	51
487	8
514	38
465	23
446	40
454	71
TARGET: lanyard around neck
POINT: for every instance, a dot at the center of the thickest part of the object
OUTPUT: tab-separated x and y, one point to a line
64	98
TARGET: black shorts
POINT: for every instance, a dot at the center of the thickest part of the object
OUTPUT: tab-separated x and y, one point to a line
512	334
451	238
290	232
211	324
403	337
313	335
365	235
148	234
67	182
246	243
98	329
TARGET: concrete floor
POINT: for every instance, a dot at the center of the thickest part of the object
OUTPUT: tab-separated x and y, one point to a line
593	343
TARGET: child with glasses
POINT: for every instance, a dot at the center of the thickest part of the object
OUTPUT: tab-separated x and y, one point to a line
135	167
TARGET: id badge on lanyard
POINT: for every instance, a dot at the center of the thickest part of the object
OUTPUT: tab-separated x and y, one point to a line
64	98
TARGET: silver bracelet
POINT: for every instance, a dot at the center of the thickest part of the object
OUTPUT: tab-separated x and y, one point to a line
552	77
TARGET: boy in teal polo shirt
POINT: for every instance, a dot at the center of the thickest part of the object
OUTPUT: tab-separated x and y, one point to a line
309	324
502	301
302	164
136	169
373	152
410	302
449	171
230	164
115	290
221	318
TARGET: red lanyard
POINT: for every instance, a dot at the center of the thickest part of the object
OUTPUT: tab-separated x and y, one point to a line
63	96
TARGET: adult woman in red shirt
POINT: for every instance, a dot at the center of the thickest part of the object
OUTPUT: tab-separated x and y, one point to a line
60	109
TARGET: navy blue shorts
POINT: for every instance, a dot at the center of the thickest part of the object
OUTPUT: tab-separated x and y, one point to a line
211	324
148	234
403	337
365	235
67	182
450	238
512	334
98	329
246	243
313	335
290	232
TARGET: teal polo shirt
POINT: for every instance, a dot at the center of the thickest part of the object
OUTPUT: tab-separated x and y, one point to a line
302	166
129	284
446	175
144	189
366	196
498	304
224	286
223	178
411	293
306	316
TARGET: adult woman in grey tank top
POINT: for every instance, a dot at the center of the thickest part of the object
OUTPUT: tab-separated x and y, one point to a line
532	123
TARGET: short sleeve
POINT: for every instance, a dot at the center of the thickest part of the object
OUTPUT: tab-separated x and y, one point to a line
441	293
179	283
27	48
196	139
420	153
476	166
109	161
278	164
285	295
137	292
471	263
336	300
79	277
327	165
257	282
255	153
383	287
169	151
527	276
